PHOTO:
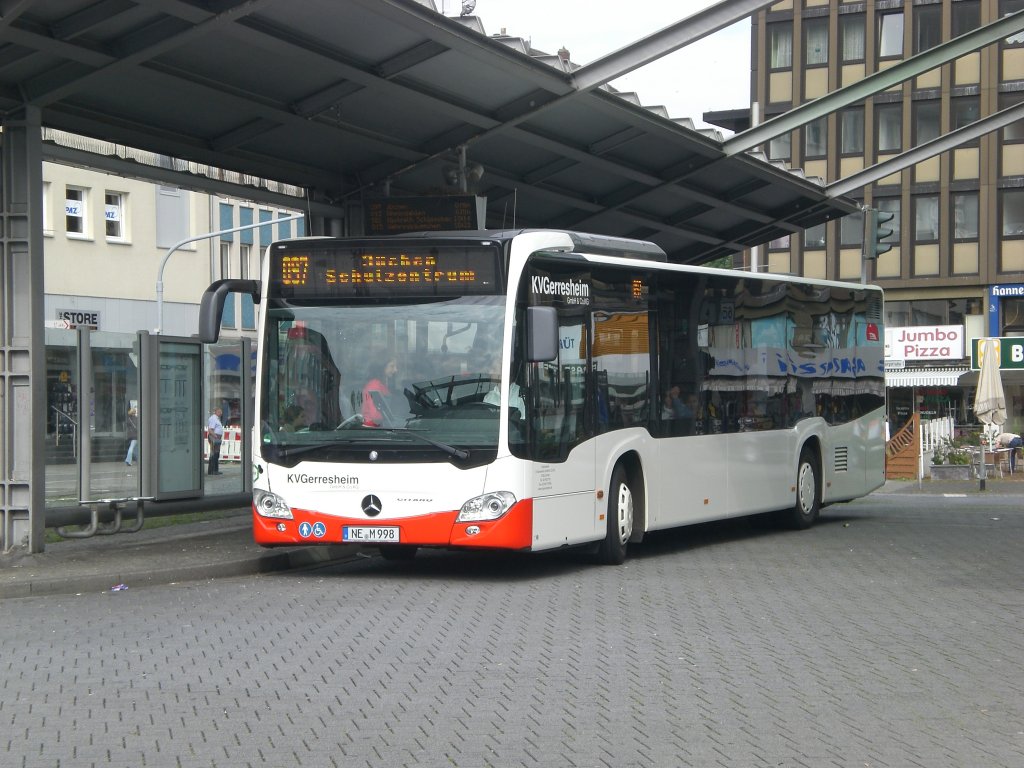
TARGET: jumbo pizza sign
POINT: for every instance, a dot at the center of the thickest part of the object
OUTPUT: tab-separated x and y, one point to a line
925	342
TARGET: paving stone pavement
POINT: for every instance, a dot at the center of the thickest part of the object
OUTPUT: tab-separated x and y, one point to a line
889	635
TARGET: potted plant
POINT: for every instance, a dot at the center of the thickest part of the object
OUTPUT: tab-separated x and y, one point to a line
951	460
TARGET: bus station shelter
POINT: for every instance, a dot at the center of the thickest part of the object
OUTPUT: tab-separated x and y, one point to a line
359	104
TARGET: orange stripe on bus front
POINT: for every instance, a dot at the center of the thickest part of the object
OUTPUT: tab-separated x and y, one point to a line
512	531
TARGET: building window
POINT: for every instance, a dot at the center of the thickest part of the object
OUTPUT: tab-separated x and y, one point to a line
851	230
1013	317
780	46
74	210
890	35
851	35
780	42
926	218
890	205
965	216
244	252
816	41
927	27
890	126
779	244
814	238
815	138
1013	212
966	16
904	314
926	121
851	131
966	110
225	259
1006	8
1014	132
780	148
113	214
227	319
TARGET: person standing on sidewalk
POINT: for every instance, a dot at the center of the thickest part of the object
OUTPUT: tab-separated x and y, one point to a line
215	434
132	433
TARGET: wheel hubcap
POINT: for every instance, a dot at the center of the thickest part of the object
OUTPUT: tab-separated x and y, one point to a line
624	513
806	488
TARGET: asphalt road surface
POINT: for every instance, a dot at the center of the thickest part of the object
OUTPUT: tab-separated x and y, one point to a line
892	634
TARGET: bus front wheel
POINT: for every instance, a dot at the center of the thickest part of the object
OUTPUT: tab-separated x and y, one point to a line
612	551
804	512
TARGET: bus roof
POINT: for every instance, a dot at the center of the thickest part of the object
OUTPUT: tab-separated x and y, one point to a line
584	242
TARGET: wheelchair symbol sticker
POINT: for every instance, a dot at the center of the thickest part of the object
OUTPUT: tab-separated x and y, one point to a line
319	530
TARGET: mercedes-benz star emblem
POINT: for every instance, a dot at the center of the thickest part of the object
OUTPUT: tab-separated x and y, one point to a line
371	505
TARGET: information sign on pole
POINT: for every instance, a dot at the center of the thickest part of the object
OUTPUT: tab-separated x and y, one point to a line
397	215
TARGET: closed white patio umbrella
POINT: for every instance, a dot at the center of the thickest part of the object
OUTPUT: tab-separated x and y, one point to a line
989	400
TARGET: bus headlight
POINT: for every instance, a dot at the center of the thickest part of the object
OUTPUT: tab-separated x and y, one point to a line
269	504
490	506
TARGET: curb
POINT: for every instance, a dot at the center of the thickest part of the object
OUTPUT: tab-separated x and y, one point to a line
263	562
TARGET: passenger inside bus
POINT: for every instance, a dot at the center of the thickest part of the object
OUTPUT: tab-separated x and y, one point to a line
677	407
293	419
377	391
516	403
679	410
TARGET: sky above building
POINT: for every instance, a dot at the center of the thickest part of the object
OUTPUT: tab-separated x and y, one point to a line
711	74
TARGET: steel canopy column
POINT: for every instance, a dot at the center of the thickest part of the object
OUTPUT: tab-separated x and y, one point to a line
22	346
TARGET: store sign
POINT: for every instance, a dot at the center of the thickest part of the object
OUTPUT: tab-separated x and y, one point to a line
925	342
1011	353
80	318
1014	291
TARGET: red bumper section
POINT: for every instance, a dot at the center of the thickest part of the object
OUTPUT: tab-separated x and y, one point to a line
512	531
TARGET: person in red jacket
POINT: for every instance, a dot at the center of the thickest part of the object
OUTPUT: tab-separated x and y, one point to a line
381	383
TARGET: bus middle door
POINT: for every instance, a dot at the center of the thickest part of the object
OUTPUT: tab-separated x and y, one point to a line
564	449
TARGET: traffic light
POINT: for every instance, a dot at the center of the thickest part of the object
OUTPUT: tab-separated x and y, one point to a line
875	231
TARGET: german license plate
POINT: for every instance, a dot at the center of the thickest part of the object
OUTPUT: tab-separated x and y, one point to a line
370	534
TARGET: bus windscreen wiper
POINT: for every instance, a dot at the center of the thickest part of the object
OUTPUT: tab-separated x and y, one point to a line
357	420
451	450
287	452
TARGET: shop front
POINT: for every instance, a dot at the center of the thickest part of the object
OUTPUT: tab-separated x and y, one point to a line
933	371
923	370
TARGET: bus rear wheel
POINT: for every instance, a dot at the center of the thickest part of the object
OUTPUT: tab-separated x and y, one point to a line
804	512
397	551
612	551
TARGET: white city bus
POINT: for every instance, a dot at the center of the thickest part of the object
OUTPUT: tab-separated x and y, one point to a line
533	389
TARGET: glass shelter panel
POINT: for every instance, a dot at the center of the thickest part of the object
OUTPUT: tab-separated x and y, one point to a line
63	386
229	373
112	416
179	418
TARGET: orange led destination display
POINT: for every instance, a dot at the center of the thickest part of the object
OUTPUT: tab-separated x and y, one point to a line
338	271
294	270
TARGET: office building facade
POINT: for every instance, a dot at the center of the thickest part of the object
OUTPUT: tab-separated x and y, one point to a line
955	271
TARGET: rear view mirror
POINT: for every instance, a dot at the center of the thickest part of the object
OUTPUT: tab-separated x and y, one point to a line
211	309
541	334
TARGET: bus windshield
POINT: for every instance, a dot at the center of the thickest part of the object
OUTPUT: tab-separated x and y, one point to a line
410	381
